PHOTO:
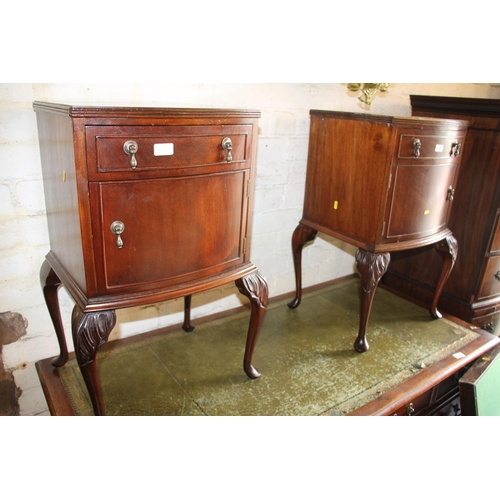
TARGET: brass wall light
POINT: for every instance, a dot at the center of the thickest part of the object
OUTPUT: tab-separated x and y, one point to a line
367	90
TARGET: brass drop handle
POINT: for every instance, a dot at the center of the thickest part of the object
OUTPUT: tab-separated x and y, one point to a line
410	410
131	148
451	193
117	227
417	144
497	275
227	145
455	149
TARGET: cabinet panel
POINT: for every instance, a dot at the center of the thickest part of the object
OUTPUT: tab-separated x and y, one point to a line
175	229
491	282
421	200
495	240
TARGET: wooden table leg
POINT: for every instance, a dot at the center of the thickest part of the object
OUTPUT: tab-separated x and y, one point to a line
50	285
448	249
300	237
371	267
90	331
253	286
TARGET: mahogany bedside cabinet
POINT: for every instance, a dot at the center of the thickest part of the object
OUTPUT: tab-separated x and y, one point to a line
382	184
473	291
145	205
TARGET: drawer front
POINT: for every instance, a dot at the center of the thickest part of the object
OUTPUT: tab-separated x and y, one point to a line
163	149
490	285
417	405
422	146
175	230
421	200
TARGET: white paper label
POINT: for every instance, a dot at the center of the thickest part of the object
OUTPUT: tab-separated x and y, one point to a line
166	149
439	148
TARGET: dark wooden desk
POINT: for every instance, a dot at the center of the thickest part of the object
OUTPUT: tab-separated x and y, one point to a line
434	389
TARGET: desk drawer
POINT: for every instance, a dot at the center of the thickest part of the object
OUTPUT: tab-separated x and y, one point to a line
163	148
423	146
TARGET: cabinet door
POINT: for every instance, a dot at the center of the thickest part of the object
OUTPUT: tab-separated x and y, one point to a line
176	230
421	200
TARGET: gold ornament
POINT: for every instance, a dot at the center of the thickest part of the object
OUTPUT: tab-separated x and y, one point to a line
367	90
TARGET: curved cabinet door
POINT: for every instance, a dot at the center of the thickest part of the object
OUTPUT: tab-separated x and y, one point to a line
421	200
173	230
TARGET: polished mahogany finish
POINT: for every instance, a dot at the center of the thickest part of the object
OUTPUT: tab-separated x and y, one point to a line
473	291
382	184
145	205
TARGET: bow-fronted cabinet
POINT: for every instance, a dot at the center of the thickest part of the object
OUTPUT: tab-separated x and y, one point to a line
145	205
382	184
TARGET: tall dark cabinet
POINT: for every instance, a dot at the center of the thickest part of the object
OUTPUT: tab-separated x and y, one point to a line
472	291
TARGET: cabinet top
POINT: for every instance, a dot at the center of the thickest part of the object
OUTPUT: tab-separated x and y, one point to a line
138	112
390	120
462	105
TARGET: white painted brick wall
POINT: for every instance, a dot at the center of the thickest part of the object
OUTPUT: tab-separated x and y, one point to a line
281	167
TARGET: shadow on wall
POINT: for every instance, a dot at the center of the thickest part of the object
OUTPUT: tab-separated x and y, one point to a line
12	327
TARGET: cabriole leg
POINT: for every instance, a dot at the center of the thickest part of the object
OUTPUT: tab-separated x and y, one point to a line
448	249
90	332
371	267
300	237
253	286
50	285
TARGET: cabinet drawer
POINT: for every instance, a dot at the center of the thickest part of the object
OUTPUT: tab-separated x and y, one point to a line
424	146
163	148
418	404
490	285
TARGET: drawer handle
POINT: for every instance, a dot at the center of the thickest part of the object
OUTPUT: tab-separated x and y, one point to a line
131	148
497	275
410	410
228	146
455	149
451	193
416	147
117	227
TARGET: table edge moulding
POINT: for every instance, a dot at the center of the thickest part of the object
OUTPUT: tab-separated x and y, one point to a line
356	192
76	186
